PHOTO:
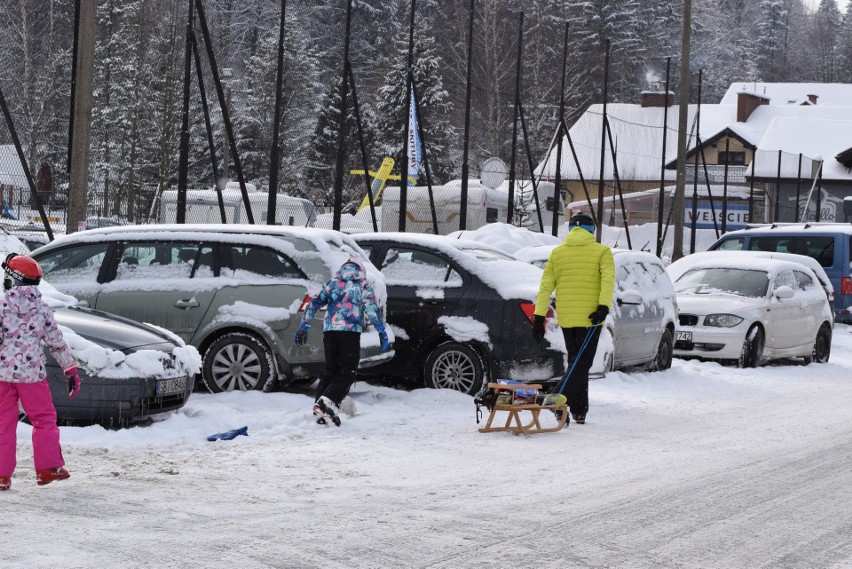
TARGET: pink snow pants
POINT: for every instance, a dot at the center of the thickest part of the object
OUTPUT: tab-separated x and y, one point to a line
38	405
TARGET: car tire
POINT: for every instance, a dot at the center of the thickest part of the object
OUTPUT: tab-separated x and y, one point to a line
822	346
663	359
752	347
452	365
238	361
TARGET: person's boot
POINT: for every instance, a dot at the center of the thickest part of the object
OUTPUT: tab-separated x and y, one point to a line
48	475
579	418
5	482
327	411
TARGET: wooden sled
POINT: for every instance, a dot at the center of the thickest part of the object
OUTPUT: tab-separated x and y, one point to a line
517	407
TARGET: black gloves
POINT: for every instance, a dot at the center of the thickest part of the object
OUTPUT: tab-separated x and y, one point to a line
599	315
538	328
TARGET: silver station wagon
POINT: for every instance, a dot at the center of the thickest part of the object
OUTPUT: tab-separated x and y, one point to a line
235	292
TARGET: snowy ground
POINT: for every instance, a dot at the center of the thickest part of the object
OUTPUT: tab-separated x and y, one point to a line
699	466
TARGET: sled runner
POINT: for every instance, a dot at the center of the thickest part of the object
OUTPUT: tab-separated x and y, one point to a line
517	398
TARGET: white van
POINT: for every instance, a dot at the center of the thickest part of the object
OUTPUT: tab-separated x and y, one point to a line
202	206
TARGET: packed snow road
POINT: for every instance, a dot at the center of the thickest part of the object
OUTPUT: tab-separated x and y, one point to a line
700	466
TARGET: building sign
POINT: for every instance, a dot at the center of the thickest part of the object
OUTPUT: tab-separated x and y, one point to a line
737	215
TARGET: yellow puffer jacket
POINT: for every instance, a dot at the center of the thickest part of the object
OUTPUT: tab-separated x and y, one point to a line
582	272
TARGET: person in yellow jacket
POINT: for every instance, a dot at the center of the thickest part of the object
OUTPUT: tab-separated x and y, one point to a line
582	272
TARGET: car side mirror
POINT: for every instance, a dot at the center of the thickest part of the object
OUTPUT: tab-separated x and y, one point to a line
783	292
630	296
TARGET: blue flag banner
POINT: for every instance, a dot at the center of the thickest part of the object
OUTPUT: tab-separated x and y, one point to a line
415	152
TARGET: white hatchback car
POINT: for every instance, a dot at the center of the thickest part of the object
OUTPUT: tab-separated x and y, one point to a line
640	330
750	310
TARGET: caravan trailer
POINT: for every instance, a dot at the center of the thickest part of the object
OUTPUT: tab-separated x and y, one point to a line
484	205
202	206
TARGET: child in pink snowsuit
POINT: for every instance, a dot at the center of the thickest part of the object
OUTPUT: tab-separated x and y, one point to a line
27	325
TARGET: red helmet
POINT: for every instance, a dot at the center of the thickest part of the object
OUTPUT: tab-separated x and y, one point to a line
25	270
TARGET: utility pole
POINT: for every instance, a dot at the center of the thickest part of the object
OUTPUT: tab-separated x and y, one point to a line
683	101
81	127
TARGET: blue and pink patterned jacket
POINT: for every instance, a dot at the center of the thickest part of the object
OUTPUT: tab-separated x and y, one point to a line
348	296
27	323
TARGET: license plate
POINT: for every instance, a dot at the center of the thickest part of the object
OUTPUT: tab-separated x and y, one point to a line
684	336
171	386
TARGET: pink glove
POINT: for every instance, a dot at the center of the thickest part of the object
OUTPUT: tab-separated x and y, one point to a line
73	381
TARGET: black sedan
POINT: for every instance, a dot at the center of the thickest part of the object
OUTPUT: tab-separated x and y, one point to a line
461	312
114	391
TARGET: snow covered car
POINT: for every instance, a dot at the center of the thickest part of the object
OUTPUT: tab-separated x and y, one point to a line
641	327
130	372
461	311
235	292
750	310
810	262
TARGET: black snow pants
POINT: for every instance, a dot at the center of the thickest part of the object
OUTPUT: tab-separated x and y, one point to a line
342	353
577	386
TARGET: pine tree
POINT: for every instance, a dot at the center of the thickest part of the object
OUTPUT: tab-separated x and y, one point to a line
771	60
433	105
826	33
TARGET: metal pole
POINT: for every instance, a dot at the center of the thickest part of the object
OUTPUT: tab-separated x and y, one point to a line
365	161
341	132
274	159
798	187
678	204
777	188
403	173
603	148
22	157
725	187
532	168
557	179
510	208
465	167
211	143
819	194
661	205
695	174
183	158
226	117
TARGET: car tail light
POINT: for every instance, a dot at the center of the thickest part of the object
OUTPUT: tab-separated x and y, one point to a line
846	285
528	309
307	300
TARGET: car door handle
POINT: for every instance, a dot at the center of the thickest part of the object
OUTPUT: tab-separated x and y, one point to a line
187	304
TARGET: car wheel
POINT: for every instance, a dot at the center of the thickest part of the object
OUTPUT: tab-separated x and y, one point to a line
752	347
822	345
454	366
238	361
663	359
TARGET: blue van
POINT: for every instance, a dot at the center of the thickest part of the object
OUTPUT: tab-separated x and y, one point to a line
828	243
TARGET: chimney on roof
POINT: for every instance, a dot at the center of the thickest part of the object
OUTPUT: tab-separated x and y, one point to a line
657	99
746	103
813	99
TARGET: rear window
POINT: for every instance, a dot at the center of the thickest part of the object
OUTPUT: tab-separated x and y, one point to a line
819	247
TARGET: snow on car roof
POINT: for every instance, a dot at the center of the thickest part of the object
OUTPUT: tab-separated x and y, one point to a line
809	262
333	247
727	261
507	237
510	278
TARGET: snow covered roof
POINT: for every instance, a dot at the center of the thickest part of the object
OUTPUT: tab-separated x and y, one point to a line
637	137
792	93
816	139
11	170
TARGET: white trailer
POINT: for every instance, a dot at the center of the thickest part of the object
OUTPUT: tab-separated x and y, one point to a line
202	206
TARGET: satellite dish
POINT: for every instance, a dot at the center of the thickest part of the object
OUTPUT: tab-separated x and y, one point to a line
493	173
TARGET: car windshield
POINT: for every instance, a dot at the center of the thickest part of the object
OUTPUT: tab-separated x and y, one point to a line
744	282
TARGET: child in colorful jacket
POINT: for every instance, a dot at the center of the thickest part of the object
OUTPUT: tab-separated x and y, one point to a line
27	325
348	296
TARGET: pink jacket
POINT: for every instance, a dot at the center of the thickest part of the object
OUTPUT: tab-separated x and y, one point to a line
27	324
